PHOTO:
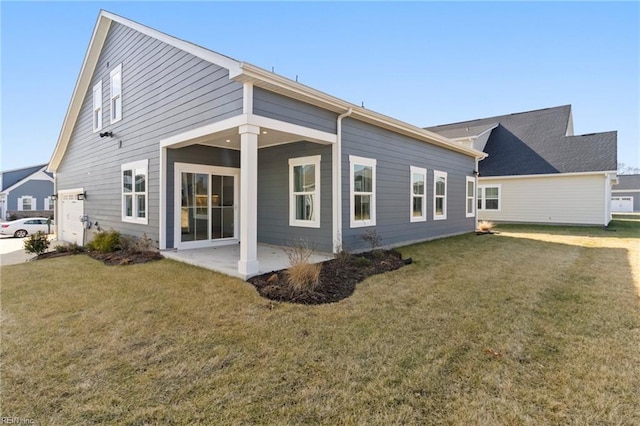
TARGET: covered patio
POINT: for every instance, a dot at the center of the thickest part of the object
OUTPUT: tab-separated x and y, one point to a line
224	259
236	250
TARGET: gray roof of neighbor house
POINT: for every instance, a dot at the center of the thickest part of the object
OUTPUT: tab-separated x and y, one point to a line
628	182
11	177
537	142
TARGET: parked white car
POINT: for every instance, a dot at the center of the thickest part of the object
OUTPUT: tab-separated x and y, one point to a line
22	227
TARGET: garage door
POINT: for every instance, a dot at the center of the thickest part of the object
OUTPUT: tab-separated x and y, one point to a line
71	209
622	204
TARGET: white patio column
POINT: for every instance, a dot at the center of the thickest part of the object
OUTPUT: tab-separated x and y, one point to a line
248	263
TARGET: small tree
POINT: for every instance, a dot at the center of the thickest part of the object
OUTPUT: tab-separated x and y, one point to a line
36	243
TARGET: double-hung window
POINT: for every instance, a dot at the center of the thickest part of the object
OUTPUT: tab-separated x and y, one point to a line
418	194
116	94
439	195
304	191
471	192
97	107
362	191
489	197
135	192
26	202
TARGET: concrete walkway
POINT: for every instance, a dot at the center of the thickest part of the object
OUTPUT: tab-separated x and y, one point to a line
12	250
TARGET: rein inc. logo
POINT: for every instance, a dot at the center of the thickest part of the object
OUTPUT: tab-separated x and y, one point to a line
17	421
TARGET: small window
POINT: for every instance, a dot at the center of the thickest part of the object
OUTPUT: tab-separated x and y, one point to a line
26	202
418	194
489	197
304	191
363	191
471	191
439	195
116	94
97	107
134	192
48	203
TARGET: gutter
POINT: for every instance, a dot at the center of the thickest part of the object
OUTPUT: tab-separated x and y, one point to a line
279	84
336	158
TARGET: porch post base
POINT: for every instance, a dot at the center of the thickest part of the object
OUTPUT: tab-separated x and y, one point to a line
247	268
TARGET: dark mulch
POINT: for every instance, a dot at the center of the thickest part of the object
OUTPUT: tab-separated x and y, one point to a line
126	257
110	259
338	278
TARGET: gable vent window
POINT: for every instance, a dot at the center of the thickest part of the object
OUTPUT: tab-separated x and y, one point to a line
97	107
116	94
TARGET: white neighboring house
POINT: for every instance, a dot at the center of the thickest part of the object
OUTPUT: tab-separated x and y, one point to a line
26	192
537	170
625	196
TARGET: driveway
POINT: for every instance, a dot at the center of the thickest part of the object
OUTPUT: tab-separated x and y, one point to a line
12	251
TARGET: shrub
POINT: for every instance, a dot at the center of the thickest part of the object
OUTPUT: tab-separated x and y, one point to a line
373	238
302	276
36	243
105	242
485	225
137	244
69	248
362	262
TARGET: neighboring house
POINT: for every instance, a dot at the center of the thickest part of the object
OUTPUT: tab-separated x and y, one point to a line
625	196
26	192
537	170
196	149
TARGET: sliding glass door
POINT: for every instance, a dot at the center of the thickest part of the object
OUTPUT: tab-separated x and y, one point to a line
208	204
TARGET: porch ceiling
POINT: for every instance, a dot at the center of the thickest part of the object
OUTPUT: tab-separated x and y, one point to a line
230	139
225	134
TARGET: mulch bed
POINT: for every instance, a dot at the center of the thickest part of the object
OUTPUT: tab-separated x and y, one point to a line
110	259
125	257
338	278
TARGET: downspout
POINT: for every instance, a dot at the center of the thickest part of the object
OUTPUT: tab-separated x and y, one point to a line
336	157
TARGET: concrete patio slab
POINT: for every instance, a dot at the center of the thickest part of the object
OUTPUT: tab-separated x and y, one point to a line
224	259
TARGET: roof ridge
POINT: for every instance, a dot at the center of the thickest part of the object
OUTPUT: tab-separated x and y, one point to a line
500	116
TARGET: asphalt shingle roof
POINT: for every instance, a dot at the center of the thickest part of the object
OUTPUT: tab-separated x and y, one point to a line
536	142
628	182
11	177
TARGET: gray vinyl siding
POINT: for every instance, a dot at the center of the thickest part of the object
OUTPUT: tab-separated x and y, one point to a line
165	91
39	189
194	154
278	107
273	197
395	154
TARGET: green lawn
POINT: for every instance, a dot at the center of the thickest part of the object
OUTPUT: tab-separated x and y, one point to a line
536	325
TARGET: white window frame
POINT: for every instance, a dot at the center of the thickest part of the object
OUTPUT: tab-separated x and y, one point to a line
482	197
422	172
472	198
438	174
96	110
304	161
115	113
367	162
136	167
21	203
48	204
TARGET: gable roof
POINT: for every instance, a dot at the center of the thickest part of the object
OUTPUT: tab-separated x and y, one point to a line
11	177
540	142
239	71
628	182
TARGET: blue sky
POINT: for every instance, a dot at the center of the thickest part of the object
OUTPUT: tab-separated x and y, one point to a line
426	63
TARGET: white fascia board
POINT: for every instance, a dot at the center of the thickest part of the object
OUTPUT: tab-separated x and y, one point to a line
208	55
548	175
306	132
82	84
622	191
269	80
252	120
91	59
